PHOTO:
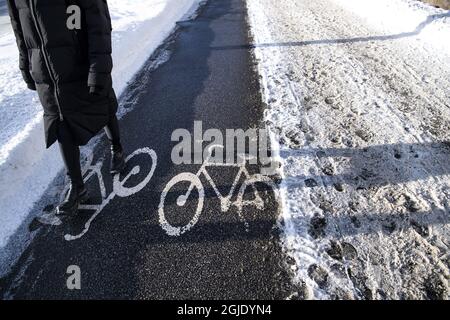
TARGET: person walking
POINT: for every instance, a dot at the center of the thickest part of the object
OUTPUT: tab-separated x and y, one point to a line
71	71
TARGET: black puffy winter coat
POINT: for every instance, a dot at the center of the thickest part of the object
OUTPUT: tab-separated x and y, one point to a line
70	69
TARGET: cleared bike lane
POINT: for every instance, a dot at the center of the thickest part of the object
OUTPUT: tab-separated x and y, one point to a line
125	253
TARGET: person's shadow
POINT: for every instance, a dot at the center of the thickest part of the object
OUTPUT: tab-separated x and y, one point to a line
374	168
3	8
382	165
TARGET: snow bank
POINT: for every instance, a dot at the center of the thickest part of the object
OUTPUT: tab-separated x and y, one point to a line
26	168
345	130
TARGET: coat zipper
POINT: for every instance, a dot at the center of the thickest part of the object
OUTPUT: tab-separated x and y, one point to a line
47	63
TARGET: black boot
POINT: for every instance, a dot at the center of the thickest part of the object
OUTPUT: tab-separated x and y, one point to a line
74	197
117	159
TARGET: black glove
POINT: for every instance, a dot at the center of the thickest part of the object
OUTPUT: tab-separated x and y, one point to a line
96	90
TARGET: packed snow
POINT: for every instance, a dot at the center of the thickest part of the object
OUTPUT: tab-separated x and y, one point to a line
26	168
358	95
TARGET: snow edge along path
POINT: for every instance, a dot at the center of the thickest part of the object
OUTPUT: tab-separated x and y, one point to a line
268	62
28	168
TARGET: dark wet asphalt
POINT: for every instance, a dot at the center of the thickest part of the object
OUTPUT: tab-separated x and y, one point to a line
126	254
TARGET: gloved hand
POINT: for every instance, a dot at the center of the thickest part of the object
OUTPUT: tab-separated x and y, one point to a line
96	90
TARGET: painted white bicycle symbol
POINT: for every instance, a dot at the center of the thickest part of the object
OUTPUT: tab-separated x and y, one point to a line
119	188
225	201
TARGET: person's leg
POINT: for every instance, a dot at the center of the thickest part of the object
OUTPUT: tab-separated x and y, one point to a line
113	133
117	157
70	153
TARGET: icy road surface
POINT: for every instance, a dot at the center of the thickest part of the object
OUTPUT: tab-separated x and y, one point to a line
358	96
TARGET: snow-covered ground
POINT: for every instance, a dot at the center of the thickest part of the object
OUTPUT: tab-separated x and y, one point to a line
358	95
26	168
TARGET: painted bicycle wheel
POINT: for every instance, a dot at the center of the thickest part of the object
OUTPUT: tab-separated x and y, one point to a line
181	201
119	184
